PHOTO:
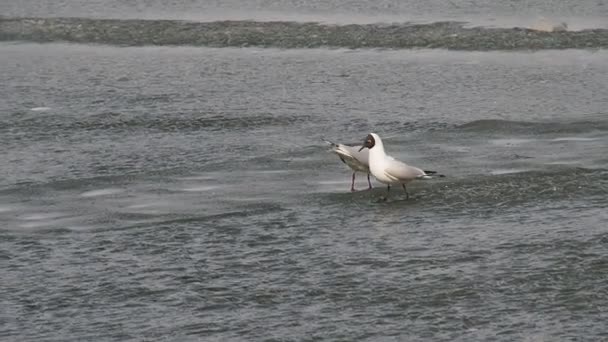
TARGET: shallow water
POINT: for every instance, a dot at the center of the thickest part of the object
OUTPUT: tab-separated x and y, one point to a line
177	193
529	13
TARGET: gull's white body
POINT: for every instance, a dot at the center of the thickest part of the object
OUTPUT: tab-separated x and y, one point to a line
390	171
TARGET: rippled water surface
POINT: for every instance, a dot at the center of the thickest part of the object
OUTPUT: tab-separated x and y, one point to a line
186	194
582	13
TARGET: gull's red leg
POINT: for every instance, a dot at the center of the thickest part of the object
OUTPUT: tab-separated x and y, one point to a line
407	194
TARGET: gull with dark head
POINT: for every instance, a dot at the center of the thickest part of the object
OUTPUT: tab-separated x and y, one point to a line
389	170
354	157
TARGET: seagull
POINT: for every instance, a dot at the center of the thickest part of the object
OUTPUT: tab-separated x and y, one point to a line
352	156
389	170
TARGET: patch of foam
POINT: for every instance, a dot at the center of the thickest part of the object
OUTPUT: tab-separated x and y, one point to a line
563	162
546	25
45	220
40	109
146	208
140	206
30	225
48	225
507	171
101	192
250	199
200	188
80	228
266	171
42	216
197	178
574	139
5	209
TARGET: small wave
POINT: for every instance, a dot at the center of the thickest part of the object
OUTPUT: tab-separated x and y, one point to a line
508	171
546	25
514	127
187	122
40	109
498	188
101	192
42	216
245	211
574	139
212	123
6	209
200	188
289	34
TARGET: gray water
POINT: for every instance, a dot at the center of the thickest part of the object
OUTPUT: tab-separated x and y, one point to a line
186	194
579	14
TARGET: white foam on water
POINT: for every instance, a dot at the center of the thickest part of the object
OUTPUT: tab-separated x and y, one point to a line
42	216
564	162
40	109
52	225
574	139
140	206
201	177
45	220
266	171
507	171
30	225
152	208
101	192
249	199
5	209
80	228
201	188
511	142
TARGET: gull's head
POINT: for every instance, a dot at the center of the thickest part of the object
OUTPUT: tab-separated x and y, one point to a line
370	141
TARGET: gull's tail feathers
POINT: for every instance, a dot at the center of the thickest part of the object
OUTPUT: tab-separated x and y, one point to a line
337	149
349	156
430	175
332	144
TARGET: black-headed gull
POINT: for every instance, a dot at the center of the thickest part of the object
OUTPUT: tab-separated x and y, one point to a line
356	159
389	170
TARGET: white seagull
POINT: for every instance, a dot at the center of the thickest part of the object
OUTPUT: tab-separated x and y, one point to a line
355	158
389	170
